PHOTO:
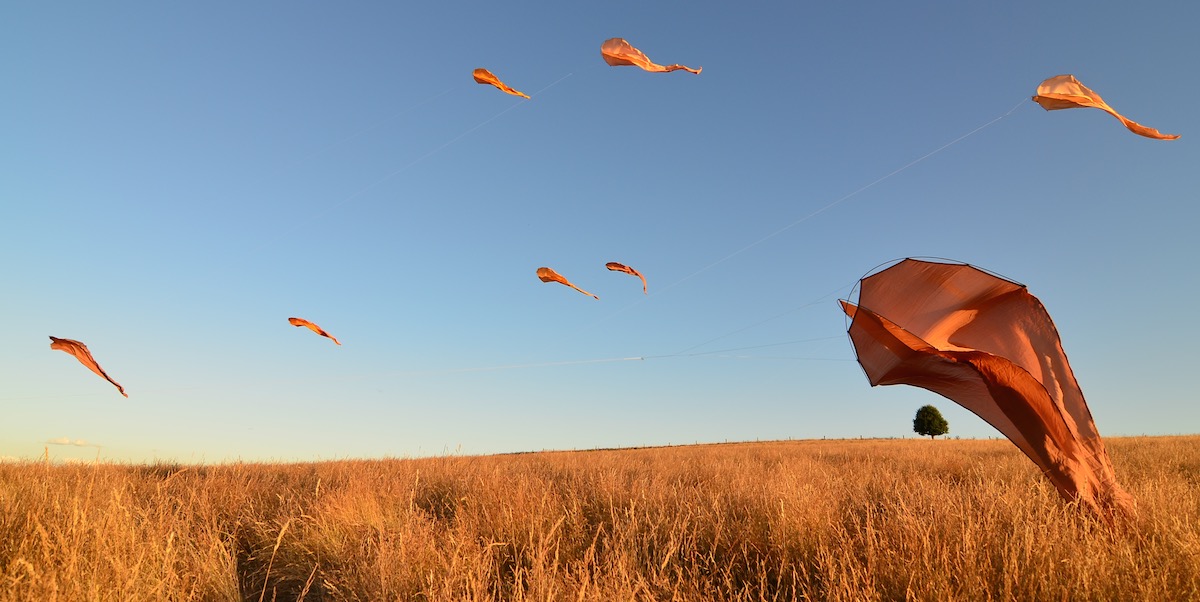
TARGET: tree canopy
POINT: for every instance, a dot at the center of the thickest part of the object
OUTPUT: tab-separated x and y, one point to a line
929	422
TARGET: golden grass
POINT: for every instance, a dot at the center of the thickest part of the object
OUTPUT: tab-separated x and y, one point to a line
837	520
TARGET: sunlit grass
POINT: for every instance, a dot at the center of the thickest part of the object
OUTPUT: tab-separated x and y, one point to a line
844	520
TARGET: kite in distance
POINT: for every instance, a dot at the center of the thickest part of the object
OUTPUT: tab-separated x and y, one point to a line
81	353
549	275
1065	92
617	52
313	327
619	267
484	76
988	345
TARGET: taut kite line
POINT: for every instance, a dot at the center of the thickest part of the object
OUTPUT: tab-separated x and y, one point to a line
987	344
81	353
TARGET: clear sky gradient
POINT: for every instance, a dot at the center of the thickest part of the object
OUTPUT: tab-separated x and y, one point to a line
177	179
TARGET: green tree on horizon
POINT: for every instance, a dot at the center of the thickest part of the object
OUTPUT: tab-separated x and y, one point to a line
929	421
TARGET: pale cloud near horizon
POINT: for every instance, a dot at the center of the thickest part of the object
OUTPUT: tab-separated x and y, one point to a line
69	441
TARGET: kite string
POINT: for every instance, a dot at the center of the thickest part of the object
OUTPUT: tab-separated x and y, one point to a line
761	322
329	208
438	149
792	342
455	139
446	371
802	220
681	353
326	147
841	200
361	131
814	214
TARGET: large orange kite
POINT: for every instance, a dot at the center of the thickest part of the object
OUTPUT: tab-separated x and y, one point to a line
620	267
484	76
81	353
313	327
617	52
549	275
1065	92
987	344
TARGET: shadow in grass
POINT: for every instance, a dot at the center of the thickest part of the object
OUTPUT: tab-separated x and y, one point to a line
439	499
165	470
262	575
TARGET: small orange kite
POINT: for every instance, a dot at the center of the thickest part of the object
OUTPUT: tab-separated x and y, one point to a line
483	76
617	52
549	275
312	327
1065	92
81	353
620	267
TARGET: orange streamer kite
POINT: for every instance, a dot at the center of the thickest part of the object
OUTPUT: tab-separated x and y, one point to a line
549	275
1065	92
987	344
81	353
619	267
617	52
484	76
313	327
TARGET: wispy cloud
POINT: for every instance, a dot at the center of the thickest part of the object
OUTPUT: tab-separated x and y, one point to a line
70	441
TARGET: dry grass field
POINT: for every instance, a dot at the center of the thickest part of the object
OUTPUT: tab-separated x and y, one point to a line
820	520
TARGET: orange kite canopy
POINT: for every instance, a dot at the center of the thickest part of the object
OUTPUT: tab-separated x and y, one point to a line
484	76
1065	92
312	327
987	344
81	353
620	267
617	52
549	275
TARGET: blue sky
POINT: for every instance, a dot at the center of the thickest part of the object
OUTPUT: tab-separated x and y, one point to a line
177	179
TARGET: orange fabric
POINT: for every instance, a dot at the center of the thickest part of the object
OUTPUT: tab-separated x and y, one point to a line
81	353
483	76
313	327
549	275
988	345
618	52
1065	92
619	267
